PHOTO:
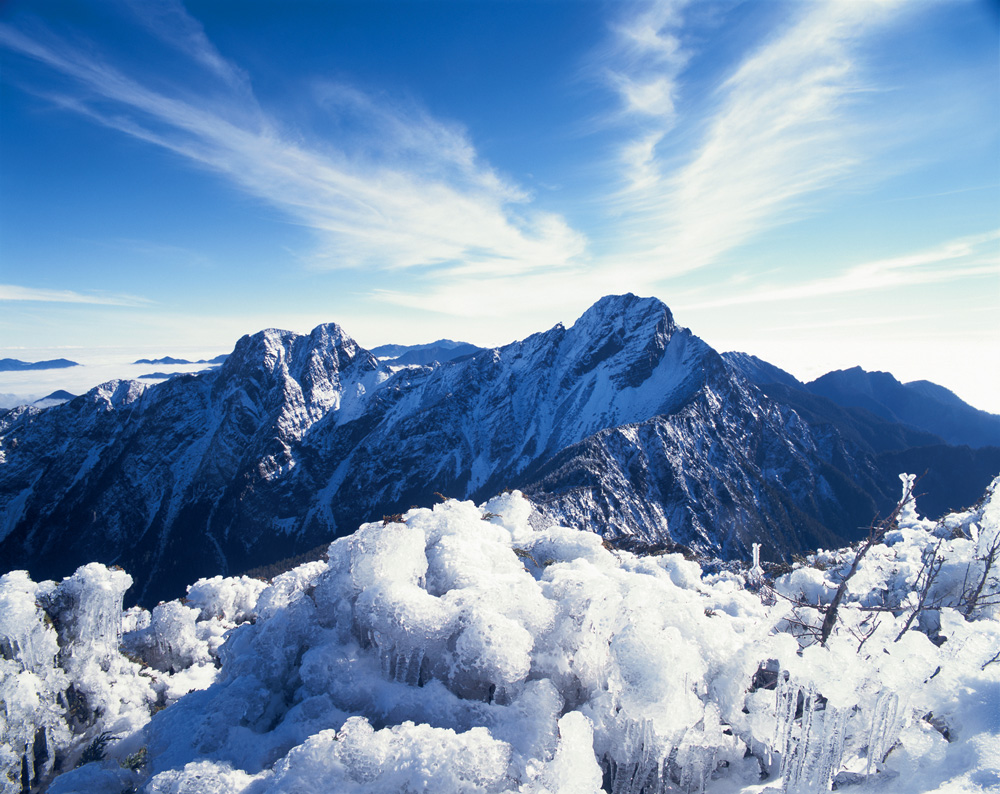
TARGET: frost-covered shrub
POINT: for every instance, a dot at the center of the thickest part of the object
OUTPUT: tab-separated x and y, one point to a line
69	695
231	599
462	649
30	683
63	682
170	642
878	685
445	637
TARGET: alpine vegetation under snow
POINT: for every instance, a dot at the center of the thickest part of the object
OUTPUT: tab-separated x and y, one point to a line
477	649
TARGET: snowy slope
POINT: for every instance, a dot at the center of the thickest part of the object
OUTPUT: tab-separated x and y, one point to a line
461	649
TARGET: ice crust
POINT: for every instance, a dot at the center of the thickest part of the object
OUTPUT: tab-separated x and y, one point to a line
462	650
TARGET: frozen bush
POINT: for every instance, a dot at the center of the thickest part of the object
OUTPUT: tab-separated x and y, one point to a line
406	757
465	648
170	642
231	600
65	685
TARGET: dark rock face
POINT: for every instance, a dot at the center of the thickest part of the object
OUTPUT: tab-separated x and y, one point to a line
624	422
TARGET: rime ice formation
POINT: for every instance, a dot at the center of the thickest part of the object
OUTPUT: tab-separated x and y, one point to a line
460	649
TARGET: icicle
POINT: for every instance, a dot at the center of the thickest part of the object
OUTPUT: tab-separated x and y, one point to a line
793	759
811	754
641	766
413	672
787	695
884	729
832	749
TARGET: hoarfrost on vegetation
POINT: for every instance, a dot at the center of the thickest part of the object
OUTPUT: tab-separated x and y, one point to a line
461	650
80	678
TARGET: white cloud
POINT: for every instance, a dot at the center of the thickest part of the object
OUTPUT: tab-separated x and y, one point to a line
168	21
967	257
782	128
645	61
402	190
12	292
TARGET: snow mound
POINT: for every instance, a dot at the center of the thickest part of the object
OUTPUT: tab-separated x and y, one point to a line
460	650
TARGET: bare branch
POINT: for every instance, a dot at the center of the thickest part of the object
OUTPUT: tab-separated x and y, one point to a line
876	534
991	557
929	573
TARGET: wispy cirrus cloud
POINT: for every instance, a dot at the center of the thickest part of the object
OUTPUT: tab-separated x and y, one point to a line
400	189
779	129
645	61
967	257
13	292
169	22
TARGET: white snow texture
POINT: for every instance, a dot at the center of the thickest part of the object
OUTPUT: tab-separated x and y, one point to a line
462	650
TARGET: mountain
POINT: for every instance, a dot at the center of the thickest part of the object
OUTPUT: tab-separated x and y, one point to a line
298	438
953	474
16	365
172	360
166	375
441	351
58	397
164	360
923	405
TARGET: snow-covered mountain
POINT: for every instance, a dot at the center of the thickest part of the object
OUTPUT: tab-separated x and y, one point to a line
623	423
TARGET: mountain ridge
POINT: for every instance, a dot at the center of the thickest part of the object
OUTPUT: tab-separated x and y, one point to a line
298	438
921	405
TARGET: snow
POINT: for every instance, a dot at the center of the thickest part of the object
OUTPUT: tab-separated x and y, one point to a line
472	648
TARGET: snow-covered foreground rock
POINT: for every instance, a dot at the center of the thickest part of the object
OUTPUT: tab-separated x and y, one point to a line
462	649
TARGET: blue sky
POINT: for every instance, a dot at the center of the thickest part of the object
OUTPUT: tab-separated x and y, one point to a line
817	183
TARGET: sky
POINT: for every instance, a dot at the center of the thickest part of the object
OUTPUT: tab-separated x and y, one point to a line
816	183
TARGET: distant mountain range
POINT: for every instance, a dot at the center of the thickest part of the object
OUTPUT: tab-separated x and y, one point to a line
172	360
16	365
920	405
624	420
166	375
441	351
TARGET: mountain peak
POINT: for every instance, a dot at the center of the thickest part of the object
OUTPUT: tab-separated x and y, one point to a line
116	394
632	330
273	349
628	309
856	378
331	343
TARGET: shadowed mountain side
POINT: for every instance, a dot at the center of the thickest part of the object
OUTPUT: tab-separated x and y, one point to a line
922	405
